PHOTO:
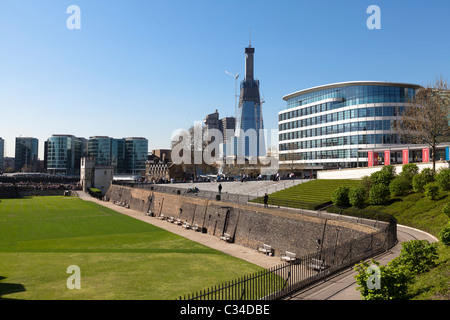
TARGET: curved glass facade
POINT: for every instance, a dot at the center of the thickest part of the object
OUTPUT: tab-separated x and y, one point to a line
327	125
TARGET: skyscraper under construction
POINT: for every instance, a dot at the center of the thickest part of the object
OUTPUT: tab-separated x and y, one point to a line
249	120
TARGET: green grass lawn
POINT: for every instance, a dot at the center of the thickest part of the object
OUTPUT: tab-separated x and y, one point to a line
119	257
308	195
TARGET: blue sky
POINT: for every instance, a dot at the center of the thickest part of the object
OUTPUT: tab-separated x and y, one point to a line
146	68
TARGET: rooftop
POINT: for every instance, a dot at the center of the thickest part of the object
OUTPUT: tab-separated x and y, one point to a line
350	83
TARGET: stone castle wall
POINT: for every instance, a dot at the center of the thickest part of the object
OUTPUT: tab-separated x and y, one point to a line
249	225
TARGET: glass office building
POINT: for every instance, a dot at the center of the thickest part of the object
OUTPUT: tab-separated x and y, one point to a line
2	155
63	154
108	151
136	153
328	125
26	154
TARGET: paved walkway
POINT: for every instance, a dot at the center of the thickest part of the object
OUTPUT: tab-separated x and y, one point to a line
343	285
252	188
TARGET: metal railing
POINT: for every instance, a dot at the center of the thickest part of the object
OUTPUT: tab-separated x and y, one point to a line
287	278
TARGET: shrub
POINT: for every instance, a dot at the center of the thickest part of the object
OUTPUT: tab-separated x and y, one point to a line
443	179
431	190
366	183
417	256
380	177
410	169
419	181
379	194
446	210
400	186
444	235
393	282
357	196
340	197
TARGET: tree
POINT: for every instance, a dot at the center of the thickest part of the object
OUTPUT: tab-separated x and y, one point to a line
196	148
426	117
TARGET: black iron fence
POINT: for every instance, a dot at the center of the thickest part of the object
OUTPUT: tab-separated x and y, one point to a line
287	278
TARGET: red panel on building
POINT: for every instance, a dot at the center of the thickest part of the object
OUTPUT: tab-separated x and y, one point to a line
375	159
405	156
426	155
370	158
387	157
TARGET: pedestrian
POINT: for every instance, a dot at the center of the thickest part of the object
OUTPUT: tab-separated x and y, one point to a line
220	188
266	201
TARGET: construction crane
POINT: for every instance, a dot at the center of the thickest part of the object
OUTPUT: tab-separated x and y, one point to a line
236	76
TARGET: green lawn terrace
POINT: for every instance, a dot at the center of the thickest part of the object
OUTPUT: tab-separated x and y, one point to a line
119	257
311	195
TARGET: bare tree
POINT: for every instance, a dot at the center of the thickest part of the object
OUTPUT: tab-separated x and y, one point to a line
189	148
426	117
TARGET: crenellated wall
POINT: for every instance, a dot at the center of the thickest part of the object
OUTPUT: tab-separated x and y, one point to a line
249	225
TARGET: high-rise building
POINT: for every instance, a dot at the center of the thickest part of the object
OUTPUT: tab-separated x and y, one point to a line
63	154
107	151
26	154
227	127
335	125
2	155
136	153
250	141
212	121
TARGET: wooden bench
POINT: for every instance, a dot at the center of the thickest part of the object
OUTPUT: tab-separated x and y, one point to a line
186	225
170	219
266	249
317	264
178	222
226	237
289	256
162	217
196	227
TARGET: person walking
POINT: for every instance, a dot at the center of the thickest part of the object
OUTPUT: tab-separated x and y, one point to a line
266	201
220	188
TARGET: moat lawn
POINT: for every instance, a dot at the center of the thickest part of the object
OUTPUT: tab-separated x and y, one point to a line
119	257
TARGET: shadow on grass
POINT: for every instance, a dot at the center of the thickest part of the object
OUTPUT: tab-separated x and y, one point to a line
8	288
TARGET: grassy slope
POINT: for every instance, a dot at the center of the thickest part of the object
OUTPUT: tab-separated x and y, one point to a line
119	257
414	210
312	193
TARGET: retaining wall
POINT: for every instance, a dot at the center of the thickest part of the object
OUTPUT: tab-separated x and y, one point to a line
249	225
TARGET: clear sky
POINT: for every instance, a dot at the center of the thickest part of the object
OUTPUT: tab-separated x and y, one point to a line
147	68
